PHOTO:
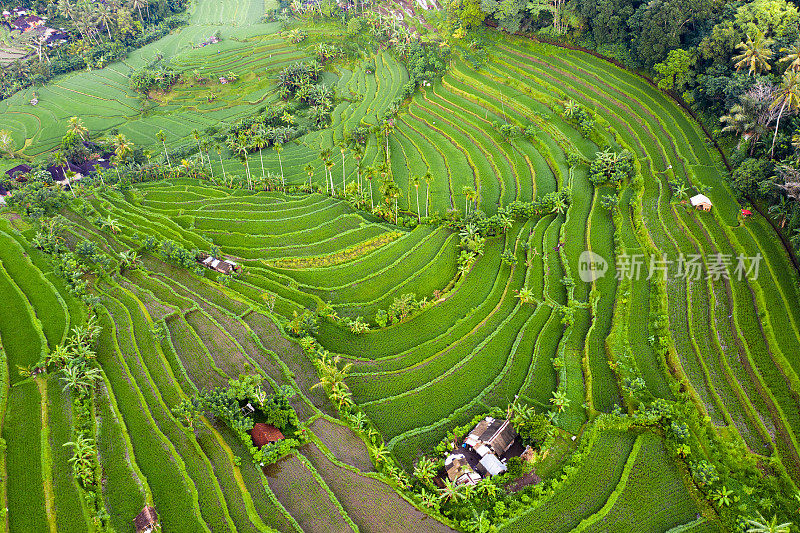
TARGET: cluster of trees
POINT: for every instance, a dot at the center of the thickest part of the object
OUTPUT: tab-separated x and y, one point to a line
611	167
100	32
147	79
229	405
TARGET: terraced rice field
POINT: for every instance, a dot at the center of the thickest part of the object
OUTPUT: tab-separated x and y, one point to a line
168	333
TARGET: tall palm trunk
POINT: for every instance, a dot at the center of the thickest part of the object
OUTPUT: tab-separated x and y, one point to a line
777	124
427	198
418	211
344	186
224	175
371	200
280	164
261	155
166	154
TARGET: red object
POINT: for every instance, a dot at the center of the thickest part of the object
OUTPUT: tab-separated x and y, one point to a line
263	434
746	212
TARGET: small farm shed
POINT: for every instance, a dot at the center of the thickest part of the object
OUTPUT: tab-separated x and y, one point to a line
146	521
223	266
459	470
491	465
746	213
701	201
263	434
499	436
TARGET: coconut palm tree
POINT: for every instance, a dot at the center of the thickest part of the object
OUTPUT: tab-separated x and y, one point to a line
387	129
469	195
329	166
138	5
755	55
76	127
242	150
105	16
793	56
762	525
343	149
218	148
787	99
61	160
415	181
261	142
369	173
278	147
560	206
428	179
162	138
309	170
196	136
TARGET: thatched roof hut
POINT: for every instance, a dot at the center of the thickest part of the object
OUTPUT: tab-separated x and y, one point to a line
146	521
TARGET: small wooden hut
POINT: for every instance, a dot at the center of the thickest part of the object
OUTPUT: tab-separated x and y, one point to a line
146	521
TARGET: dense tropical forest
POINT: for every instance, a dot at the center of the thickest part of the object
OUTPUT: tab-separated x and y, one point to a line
400	265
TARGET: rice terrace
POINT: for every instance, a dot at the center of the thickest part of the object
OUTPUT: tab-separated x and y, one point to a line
399	265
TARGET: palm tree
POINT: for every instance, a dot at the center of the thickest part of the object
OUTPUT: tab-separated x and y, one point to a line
196	137
387	128
342	150
218	148
369	173
76	127
309	169
415	181
428	179
138	4
61	160
761	525
205	145
525	295
240	147
793	57
787	99
358	155
123	151
469	195
755	55
329	165
105	15
260	140
325	155
161	136
380	453
560	206
278	147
